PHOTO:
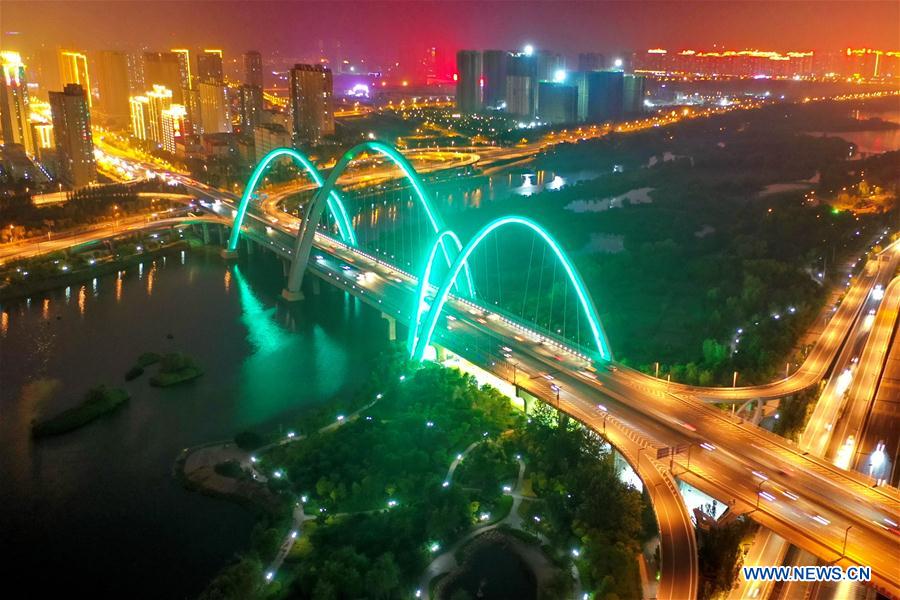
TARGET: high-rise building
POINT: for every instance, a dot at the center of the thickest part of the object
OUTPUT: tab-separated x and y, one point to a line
494	77
253	68
136	83
580	80
557	102
209	66
251	105
184	67
547	63
468	80
312	89
14	105
72	130
591	61
215	112
634	88
172	123
605	96
46	71
267	137
112	82
73	68
164	68
160	98
521	84
140	117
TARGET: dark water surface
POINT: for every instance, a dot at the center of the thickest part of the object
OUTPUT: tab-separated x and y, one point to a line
97	513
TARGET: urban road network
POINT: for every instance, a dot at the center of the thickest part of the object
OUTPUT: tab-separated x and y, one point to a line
792	490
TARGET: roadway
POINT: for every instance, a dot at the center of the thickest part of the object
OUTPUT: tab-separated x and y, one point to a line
880	426
865	370
37	246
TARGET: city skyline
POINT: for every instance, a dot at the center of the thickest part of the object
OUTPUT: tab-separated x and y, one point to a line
373	29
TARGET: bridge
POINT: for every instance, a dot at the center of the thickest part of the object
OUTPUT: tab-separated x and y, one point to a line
837	515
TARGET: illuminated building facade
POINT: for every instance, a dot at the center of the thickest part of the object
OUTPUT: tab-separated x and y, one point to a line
184	67
172	122
160	98
43	136
468	81
72	130
215	112
73	68
112	82
251	106
312	89
14	105
209	66
164	69
140	117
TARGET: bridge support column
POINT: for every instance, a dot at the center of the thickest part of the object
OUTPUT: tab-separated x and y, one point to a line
289	296
392	326
205	230
285	267
316	286
440	352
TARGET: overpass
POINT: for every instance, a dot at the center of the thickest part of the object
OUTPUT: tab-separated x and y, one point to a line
835	514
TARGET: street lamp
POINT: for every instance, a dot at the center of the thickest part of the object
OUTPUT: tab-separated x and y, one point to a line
846	534
555	388
759	491
734	379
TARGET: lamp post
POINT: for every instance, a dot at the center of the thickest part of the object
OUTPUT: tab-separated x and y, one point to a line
758	491
846	534
734	379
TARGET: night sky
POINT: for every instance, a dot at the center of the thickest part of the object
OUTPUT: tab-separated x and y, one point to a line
388	31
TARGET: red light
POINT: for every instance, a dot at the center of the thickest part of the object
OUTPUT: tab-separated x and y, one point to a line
481	81
455	77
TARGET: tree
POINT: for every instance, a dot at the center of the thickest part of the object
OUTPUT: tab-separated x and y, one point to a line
383	579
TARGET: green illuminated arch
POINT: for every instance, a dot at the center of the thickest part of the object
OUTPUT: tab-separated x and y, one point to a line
424	284
315	209
422	338
335	205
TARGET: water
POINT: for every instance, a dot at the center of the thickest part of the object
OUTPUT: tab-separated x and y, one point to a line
97	512
873	141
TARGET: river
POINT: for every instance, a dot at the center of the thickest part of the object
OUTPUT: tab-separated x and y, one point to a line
97	513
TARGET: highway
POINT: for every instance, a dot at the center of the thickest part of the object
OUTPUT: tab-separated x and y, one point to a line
880	425
865	370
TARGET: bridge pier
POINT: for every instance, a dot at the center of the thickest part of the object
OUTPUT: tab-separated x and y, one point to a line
285	267
205	231
289	296
392	326
316	286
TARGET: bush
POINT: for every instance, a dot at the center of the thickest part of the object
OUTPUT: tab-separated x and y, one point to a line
248	440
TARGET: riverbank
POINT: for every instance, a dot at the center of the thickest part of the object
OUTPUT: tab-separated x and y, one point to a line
24	289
